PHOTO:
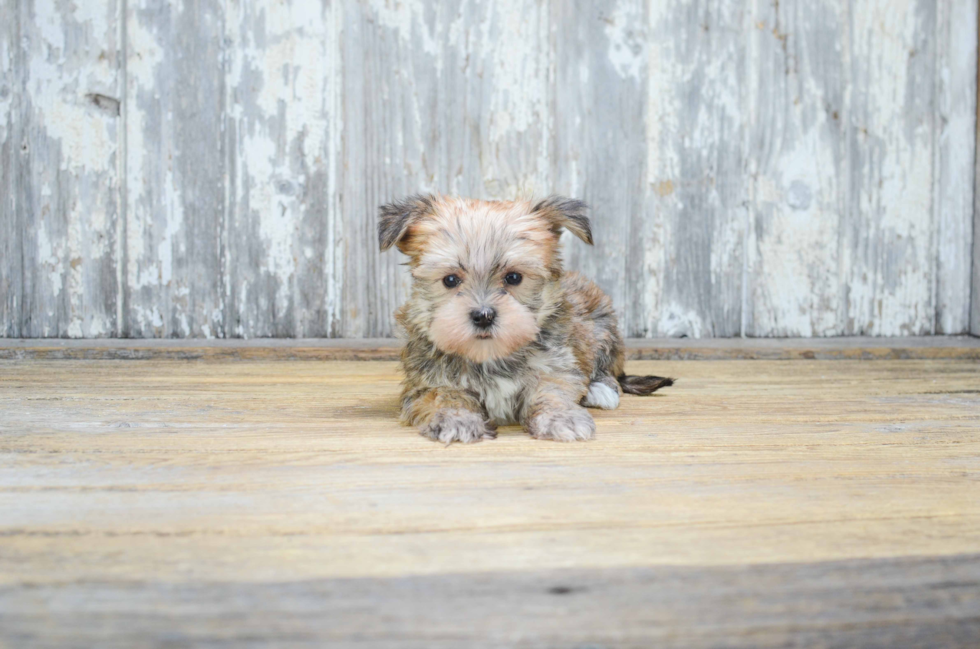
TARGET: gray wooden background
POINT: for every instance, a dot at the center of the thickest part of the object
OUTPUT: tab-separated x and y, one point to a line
212	168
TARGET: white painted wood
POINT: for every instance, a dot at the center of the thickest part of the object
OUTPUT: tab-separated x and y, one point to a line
60	91
601	51
889	250
11	258
797	167
975	284
800	168
956	77
687	258
175	169
284	126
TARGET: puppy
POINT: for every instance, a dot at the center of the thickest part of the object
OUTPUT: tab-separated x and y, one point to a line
497	332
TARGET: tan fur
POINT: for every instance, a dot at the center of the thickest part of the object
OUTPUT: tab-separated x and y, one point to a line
552	345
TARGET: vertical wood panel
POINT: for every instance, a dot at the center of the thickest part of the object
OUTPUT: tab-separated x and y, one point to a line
388	92
686	267
975	284
175	168
600	157
956	78
797	163
889	250
284	125
390	95
450	97
11	248
65	203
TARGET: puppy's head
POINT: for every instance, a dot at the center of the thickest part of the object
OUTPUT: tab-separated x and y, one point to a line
485	273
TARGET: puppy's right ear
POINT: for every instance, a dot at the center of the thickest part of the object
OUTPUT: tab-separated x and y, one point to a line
396	218
568	213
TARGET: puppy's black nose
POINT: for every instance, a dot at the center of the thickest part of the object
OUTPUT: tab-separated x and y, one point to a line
483	318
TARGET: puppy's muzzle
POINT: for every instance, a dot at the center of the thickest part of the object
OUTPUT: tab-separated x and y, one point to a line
483	318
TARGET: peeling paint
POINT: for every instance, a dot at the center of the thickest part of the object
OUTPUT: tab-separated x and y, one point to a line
64	210
893	167
626	31
800	168
515	46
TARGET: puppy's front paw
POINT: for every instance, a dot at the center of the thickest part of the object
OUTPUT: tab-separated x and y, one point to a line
466	426
570	424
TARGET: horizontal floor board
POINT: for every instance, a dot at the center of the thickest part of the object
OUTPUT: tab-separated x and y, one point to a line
855	348
275	503
923	602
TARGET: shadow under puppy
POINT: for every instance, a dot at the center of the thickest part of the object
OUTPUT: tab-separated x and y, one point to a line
497	332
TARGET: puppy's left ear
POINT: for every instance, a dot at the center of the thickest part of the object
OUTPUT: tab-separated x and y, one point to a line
568	213
396	218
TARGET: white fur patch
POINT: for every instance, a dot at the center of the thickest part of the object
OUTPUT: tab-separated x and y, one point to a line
499	400
601	396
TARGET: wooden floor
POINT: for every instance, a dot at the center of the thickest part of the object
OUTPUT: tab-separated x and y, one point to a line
162	503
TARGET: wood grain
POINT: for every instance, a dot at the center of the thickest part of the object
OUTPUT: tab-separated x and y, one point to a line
975	281
282	248
686	266
175	169
889	259
599	156
11	136
148	500
909	602
212	169
798	165
956	65
345	349
60	215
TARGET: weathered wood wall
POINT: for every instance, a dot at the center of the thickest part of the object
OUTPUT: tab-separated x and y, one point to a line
975	294
756	167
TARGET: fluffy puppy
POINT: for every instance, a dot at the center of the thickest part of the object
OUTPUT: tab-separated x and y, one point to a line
497	332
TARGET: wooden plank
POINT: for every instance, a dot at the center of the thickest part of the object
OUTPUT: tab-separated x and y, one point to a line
286	349
175	169
856	348
447	97
906	602
956	121
798	167
740	464
889	253
828	503
284	125
975	283
380	114
599	153
685	269
11	136
63	210
283	349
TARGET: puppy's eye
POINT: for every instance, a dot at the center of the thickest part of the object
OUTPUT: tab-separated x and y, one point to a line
513	278
452	281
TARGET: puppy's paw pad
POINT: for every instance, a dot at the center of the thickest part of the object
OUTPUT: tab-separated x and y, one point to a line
448	426
602	396
571	425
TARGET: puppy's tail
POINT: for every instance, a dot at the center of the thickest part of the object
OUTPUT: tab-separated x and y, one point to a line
643	385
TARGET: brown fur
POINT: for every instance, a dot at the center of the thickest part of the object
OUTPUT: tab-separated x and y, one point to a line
552	346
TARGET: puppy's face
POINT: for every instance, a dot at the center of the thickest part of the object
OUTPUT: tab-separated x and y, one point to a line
485	273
